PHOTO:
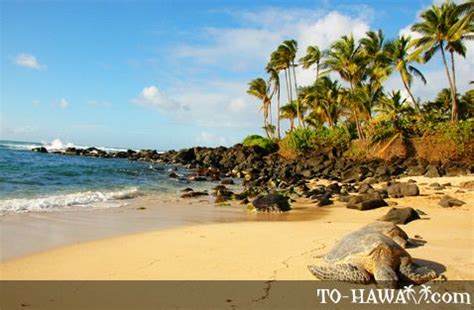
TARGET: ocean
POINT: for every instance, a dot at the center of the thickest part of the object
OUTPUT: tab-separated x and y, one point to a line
40	182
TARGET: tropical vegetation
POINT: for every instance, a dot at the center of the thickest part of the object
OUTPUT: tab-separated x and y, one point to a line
348	98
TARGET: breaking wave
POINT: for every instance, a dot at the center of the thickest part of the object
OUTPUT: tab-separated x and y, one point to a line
57	202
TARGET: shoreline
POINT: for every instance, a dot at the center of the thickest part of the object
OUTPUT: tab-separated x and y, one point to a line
36	232
246	250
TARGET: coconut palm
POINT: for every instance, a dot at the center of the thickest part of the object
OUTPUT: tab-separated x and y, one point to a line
278	61
312	58
324	98
289	112
444	27
395	109
288	51
375	48
461	17
259	89
401	59
274	81
345	58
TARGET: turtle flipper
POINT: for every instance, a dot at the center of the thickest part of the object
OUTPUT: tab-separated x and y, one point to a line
341	272
417	274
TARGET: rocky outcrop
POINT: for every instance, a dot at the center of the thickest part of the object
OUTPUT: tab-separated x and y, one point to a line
449	202
400	216
398	190
271	202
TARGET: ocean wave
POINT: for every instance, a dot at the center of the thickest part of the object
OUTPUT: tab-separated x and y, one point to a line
58	202
58	145
19	146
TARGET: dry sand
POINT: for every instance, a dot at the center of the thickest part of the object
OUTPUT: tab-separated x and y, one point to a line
257	250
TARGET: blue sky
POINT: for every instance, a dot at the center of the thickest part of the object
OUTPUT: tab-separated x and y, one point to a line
164	74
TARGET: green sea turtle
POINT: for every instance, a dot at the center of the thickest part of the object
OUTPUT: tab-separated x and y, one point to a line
389	230
368	254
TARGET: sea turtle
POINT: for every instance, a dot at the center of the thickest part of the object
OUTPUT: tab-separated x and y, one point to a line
366	254
389	230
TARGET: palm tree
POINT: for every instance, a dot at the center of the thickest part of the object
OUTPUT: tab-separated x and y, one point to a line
278	61
259	89
443	28
395	109
289	112
274	80
324	98
462	28
375	48
345	58
401	59
312	58
288	51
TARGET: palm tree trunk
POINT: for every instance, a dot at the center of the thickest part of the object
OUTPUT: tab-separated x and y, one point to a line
317	71
287	87
265	121
453	95
300	118
278	111
454	112
408	90
271	114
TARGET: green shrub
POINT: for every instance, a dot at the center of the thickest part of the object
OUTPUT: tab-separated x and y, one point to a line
299	140
337	136
303	139
460	133
264	143
380	132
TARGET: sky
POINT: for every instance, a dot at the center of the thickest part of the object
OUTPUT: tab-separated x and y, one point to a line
169	74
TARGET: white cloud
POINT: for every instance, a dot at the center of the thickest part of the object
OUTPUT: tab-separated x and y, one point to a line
62	104
28	61
209	139
250	45
224	103
151	97
237	105
434	71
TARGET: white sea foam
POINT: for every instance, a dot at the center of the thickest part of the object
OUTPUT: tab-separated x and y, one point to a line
19	146
58	202
58	145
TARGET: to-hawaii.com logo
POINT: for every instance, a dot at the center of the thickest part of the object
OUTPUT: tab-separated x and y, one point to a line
407	295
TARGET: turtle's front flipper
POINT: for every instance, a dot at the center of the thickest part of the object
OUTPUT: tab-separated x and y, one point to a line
341	272
417	274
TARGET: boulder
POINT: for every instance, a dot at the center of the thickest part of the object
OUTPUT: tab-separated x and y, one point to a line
173	175
40	149
271	202
400	216
448	202
398	190
432	172
365	188
467	185
227	182
194	194
325	200
365	202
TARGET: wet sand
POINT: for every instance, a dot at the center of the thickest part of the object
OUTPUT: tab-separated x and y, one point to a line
249	250
29	233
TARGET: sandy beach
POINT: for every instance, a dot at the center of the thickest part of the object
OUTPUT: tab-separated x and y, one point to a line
258	250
